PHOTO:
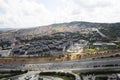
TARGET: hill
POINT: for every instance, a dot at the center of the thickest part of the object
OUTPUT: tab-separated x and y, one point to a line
109	29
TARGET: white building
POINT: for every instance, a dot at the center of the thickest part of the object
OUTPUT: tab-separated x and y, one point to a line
103	44
4	53
77	46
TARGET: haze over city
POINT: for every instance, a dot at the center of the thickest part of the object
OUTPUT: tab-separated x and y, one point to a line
32	13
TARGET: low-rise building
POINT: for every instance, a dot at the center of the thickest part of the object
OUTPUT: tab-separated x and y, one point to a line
4	53
74	48
103	44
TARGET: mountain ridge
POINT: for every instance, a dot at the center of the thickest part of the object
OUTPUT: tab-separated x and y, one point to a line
83	22
63	27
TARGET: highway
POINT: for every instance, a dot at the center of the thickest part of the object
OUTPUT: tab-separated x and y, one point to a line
113	63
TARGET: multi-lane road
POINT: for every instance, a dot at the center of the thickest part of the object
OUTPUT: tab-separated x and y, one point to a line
111	63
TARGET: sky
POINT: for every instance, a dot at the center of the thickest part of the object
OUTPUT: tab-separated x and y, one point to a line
32	13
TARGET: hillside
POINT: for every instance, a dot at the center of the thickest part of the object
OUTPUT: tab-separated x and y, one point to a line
106	28
112	31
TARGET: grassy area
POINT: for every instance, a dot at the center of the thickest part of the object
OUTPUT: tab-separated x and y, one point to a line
64	76
101	78
96	49
40	78
86	72
90	50
6	74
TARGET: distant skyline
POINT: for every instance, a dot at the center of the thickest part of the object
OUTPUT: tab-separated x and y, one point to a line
32	13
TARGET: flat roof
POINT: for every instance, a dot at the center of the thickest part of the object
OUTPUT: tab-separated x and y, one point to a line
4	53
103	43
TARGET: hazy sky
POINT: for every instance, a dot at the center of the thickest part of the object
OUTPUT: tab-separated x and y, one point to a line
31	13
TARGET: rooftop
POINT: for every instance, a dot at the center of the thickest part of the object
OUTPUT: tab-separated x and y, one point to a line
103	43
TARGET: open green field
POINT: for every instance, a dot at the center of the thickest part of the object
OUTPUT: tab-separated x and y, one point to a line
7	74
64	76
